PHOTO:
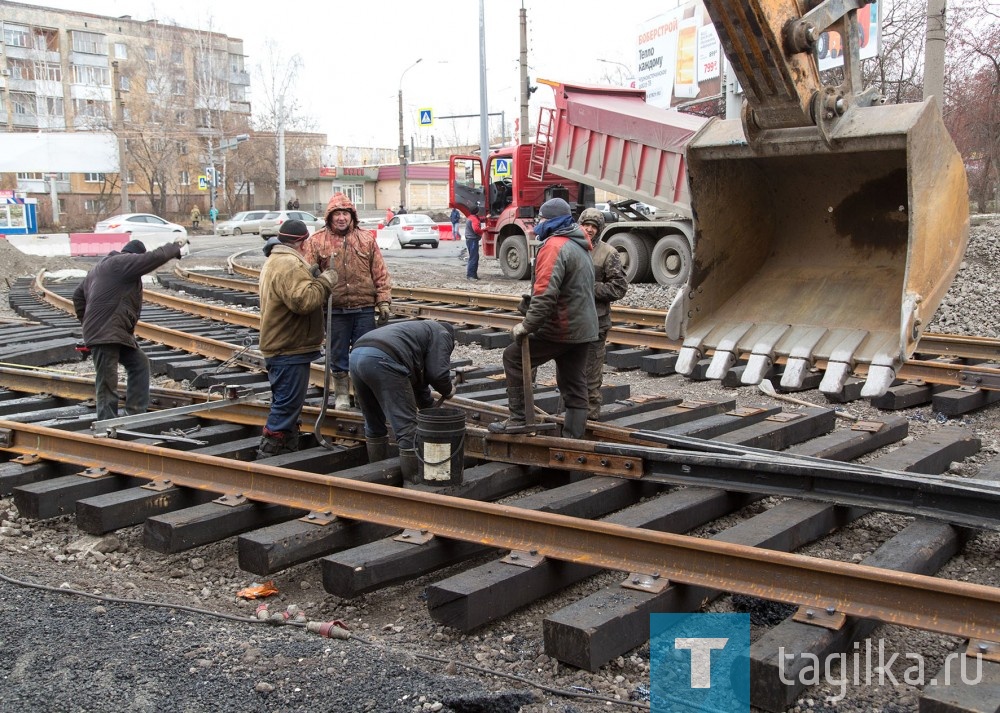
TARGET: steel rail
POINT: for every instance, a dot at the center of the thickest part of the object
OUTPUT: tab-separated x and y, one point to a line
939	605
630	321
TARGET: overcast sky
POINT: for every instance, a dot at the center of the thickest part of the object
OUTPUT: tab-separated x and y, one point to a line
353	53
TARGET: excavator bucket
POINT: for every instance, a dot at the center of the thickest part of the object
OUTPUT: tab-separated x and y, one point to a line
821	251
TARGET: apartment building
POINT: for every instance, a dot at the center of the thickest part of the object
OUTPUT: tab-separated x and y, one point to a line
173	97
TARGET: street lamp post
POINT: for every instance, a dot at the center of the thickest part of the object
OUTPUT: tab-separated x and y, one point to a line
402	145
213	177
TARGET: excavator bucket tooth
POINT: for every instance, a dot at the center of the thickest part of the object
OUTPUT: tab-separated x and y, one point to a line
850	242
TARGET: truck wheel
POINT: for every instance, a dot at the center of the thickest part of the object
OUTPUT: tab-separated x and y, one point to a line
634	255
513	257
671	260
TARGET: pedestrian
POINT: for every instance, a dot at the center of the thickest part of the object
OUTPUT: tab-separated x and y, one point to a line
213	213
363	292
393	369
288	204
473	234
108	303
561	320
610	285
455	217
389	215
402	210
291	332
195	217
295	204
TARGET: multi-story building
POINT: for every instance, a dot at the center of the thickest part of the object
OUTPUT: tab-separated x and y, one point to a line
173	97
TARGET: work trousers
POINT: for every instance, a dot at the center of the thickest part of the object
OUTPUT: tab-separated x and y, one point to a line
107	357
347	327
571	367
472	269
289	378
383	390
596	353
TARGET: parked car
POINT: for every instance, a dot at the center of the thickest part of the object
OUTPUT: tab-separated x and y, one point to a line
138	223
245	222
414	230
269	224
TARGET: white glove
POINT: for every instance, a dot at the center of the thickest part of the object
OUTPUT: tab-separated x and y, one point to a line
185	250
181	240
519	332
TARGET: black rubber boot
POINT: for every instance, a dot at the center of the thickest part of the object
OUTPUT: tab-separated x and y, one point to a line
575	423
408	465
271	444
514	424
378	448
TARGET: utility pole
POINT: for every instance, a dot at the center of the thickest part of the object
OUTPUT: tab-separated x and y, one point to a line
484	110
525	92
934	51
281	152
402	140
122	149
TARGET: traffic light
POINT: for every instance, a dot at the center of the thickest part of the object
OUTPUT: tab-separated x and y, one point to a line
210	175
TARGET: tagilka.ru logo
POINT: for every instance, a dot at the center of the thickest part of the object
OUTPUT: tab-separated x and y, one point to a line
699	662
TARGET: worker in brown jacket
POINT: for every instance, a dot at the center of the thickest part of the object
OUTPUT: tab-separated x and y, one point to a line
610	285
362	295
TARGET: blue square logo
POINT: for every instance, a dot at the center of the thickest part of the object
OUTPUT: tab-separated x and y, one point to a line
699	662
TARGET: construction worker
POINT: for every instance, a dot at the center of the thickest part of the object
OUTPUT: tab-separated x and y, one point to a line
393	369
610	285
561	320
291	332
362	295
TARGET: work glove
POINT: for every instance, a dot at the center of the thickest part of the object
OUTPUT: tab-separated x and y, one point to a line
382	313
329	278
448	392
182	243
519	332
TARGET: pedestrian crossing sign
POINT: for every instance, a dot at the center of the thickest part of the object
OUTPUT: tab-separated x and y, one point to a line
426	117
202	183
501	167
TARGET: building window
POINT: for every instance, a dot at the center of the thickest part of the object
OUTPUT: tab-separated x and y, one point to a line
24	104
151	87
51	72
92	206
151	54
85	74
180	87
124	83
89	42
121	50
30	176
177	56
54	106
46	40
185	178
92	108
181	118
21	68
15	35
93	178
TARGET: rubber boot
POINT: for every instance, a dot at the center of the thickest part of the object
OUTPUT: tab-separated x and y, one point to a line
341	390
575	423
408	465
515	402
291	442
378	447
272	443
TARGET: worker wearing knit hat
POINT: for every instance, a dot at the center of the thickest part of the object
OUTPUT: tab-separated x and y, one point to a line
554	208
134	247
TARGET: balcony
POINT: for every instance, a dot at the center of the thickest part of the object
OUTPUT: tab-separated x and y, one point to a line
24	121
239	77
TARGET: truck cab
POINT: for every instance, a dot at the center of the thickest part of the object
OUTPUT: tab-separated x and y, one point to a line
507	199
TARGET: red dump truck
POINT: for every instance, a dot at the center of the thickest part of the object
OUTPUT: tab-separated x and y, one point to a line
594	137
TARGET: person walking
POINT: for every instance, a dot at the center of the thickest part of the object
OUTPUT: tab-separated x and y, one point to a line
108	303
213	214
473	234
561	320
610	285
295	204
195	217
393	369
291	332
363	292
389	215
455	218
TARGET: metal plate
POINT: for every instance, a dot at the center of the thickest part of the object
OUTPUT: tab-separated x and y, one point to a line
95	473
693	403
27	459
828	618
622	466
989	650
652	583
232	500
414	537
319	518
521	558
868	426
745	411
158	486
785	417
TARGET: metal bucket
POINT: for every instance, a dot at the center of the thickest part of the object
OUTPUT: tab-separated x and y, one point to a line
440	445
831	255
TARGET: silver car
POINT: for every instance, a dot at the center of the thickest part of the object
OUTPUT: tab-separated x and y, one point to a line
245	222
269	225
414	230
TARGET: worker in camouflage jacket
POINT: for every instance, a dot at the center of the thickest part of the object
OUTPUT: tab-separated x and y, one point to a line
361	297
610	285
561	319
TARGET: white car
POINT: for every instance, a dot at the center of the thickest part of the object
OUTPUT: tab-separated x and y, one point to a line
138	223
414	229
245	222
